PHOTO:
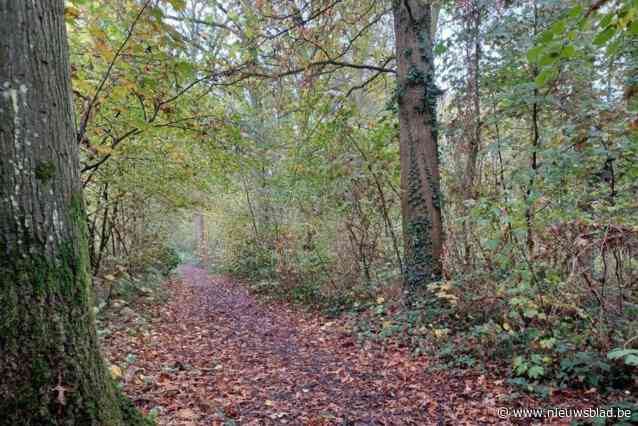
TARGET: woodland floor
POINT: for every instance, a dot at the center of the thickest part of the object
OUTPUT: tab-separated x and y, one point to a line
213	355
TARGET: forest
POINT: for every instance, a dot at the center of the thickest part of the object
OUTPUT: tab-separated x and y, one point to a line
318	212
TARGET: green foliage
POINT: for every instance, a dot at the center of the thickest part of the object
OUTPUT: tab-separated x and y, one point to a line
560	41
45	171
300	180
584	369
628	356
131	415
167	259
251	261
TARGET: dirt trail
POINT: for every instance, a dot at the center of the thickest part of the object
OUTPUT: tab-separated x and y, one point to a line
214	355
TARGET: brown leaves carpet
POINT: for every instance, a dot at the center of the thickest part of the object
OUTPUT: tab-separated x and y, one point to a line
213	355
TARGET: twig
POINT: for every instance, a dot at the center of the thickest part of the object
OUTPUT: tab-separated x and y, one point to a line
91	104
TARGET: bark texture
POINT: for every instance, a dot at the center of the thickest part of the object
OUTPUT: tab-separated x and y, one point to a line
420	181
471	121
50	364
201	237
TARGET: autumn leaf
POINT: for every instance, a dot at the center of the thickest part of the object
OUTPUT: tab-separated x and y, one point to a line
116	372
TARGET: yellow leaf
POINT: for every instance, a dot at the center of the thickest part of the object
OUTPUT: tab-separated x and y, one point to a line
71	13
446	286
380	300
108	55
82	85
116	372
120	92
98	34
109	277
103	150
178	5
269	403
440	332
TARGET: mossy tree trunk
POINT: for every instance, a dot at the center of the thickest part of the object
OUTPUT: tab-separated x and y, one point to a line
51	369
420	181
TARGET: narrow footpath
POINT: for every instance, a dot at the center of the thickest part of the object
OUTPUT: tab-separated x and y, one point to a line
213	355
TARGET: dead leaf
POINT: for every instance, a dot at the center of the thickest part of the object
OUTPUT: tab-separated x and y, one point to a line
116	372
186	414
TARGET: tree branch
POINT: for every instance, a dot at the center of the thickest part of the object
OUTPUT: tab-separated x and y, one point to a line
91	104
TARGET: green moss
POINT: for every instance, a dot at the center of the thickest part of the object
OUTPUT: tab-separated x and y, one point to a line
83	265
10	319
48	339
131	414
44	171
40	369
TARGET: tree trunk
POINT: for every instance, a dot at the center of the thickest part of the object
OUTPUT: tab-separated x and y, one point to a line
472	122
420	181
533	160
50	364
201	237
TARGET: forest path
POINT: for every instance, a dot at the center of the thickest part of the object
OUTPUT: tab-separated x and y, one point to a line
214	355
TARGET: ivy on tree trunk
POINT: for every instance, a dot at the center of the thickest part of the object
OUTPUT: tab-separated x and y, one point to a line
420	180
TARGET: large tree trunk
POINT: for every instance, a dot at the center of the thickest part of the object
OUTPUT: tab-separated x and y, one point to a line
420	182
51	369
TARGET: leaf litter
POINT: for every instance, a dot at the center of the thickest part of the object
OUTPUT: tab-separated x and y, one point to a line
214	355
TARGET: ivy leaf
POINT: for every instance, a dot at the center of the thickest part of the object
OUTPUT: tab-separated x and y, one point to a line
575	11
535	372
620	353
604	36
632	360
440	48
545	75
606	20
614	47
568	52
558	27
546	37
549	59
534	53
